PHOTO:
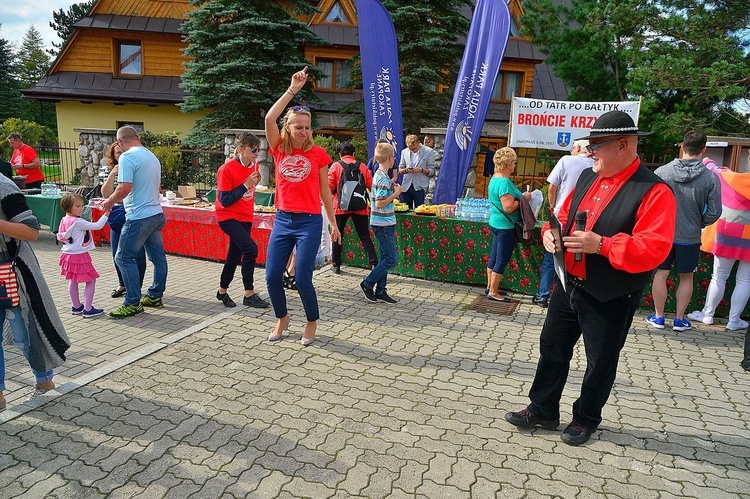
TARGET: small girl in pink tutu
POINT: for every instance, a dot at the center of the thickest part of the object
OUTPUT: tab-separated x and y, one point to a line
75	261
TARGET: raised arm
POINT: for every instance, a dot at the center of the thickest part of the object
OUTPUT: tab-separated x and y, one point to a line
272	116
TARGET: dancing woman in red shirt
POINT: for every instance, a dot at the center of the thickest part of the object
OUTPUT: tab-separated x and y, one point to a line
301	184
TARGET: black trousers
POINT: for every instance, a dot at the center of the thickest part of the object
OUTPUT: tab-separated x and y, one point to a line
362	226
604	327
241	249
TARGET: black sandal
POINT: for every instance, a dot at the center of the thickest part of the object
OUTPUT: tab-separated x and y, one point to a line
289	281
117	292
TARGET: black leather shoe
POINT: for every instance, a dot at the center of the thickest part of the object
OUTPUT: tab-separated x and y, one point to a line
255	301
224	298
337	269
527	419
576	434
542	301
117	292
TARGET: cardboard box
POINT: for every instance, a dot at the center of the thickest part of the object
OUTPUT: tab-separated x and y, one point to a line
186	191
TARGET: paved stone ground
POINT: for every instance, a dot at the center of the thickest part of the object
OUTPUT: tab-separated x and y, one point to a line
390	401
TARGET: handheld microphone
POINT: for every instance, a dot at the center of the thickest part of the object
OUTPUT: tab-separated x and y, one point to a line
580	225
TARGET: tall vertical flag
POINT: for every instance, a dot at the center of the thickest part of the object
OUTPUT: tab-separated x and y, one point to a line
380	80
485	46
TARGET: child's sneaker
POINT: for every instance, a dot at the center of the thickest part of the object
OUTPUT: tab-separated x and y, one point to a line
657	322
698	315
149	301
76	310
681	324
94	312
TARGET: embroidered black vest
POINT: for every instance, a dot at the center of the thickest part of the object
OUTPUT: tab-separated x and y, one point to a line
603	281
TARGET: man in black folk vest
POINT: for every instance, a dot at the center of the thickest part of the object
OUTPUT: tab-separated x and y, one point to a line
629	228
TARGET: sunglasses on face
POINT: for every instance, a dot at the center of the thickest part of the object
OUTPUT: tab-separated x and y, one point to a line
592	148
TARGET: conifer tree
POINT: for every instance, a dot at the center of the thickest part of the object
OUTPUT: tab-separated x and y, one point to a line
63	21
242	55
430	38
10	98
688	59
33	64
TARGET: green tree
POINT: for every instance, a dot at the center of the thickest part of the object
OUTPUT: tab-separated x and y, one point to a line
242	55
688	59
430	37
33	64
32	133
10	98
63	21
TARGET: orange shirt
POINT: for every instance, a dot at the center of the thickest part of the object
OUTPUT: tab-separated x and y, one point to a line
25	155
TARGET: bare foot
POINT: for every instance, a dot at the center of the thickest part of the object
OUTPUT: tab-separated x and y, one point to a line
281	326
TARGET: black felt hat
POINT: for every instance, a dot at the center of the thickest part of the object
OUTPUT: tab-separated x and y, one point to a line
613	123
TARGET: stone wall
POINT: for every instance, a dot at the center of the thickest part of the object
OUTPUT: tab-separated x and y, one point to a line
265	161
93	144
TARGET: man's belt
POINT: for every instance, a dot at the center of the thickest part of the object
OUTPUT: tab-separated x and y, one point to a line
577	281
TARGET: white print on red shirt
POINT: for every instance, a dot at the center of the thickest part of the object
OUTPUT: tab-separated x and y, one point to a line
295	168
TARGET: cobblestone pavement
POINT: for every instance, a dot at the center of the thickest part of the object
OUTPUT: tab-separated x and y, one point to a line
390	401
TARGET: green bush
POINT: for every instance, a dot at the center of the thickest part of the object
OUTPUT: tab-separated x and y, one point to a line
31	133
170	158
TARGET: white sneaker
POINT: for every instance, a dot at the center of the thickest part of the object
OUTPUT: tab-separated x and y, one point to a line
737	325
698	315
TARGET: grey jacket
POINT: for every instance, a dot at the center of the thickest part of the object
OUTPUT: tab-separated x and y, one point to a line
425	159
698	194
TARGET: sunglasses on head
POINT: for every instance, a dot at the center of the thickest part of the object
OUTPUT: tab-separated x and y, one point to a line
297	109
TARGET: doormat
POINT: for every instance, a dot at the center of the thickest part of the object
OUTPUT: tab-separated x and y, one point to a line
494	307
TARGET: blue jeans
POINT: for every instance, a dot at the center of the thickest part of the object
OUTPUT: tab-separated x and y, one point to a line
21	340
388	258
114	241
503	242
135	236
302	230
547	275
414	198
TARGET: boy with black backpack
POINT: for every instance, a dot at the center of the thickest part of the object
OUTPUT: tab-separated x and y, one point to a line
349	181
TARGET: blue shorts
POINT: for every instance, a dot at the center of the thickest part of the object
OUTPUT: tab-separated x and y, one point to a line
685	258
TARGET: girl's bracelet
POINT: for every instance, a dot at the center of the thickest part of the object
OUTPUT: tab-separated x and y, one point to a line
289	91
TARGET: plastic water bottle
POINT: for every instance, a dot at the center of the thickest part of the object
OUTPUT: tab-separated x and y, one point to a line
45	189
459	207
320	258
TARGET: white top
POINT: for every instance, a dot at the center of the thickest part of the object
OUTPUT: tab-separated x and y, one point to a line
565	175
74	238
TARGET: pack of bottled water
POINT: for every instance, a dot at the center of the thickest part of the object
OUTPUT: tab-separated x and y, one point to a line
50	189
474	209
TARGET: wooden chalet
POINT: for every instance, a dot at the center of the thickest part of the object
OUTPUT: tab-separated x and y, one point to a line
123	65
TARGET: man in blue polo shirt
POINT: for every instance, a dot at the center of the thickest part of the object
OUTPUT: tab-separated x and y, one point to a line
138	178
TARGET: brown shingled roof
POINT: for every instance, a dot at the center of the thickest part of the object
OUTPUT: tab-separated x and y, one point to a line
99	87
131	23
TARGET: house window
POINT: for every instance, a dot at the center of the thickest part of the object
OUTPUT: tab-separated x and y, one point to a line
138	125
514	29
337	15
129	58
336	74
507	85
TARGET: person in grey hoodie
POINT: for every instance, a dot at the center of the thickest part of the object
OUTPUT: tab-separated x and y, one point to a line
698	193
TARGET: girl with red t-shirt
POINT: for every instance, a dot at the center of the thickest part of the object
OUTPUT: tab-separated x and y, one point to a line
235	206
301	185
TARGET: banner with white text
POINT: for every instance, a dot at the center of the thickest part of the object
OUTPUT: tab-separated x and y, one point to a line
380	80
551	124
485	46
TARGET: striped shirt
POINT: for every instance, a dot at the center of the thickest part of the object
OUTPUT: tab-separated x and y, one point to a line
382	187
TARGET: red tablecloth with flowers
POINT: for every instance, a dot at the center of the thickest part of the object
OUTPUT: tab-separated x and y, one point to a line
455	250
194	232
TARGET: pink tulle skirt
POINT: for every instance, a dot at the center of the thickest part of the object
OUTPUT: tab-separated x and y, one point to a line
77	268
